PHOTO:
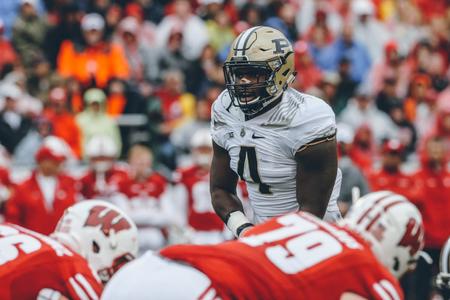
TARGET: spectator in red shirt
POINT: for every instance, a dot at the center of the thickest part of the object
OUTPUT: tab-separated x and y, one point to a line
104	177
148	203
390	177
8	55
308	74
362	151
40	201
63	121
433	180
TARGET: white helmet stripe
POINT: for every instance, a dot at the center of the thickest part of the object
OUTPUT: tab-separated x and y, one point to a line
86	286
78	290
390	289
241	44
444	263
383	209
365	213
381	292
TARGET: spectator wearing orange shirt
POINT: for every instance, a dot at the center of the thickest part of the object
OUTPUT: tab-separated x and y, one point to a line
63	121
96	62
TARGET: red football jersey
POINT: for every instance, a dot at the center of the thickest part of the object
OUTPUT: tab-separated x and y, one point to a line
152	187
295	256
201	215
32	264
91	186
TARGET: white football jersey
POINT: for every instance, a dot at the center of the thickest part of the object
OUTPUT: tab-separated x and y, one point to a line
262	150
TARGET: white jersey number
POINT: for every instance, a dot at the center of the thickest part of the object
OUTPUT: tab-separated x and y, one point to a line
309	247
11	240
248	154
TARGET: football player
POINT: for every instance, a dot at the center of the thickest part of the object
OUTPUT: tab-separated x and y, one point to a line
278	140
443	278
92	241
295	256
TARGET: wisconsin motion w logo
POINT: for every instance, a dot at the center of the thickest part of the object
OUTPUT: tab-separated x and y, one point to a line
107	218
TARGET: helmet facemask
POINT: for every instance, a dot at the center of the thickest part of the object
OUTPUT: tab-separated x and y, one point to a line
260	90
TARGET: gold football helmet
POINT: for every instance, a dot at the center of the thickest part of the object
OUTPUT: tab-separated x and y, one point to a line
259	67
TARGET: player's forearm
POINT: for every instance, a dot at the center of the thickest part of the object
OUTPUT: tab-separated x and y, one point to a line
225	203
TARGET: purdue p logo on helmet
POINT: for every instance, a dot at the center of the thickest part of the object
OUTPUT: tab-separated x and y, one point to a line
264	55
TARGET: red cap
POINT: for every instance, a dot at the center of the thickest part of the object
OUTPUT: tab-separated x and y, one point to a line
393	146
47	153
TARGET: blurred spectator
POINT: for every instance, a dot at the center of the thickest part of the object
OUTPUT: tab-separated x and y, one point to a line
419	87
6	183
30	144
40	201
368	30
361	109
170	55
433	180
363	150
251	15
328	86
13	125
392	67
63	121
345	88
194	32
29	32
146	31
95	61
141	57
67	28
434	202
329	57
199	214
406	132
308	74
27	105
94	121
351	175
324	13
8	56
386	98
181	136
40	78
390	177
148	200
220	31
205	71
320	23
177	107
103	179
284	19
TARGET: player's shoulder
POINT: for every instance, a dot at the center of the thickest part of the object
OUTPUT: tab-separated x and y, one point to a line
308	108
223	110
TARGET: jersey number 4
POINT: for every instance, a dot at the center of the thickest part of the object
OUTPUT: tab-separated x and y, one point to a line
249	154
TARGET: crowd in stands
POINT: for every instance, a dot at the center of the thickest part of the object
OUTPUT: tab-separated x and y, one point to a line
105	97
